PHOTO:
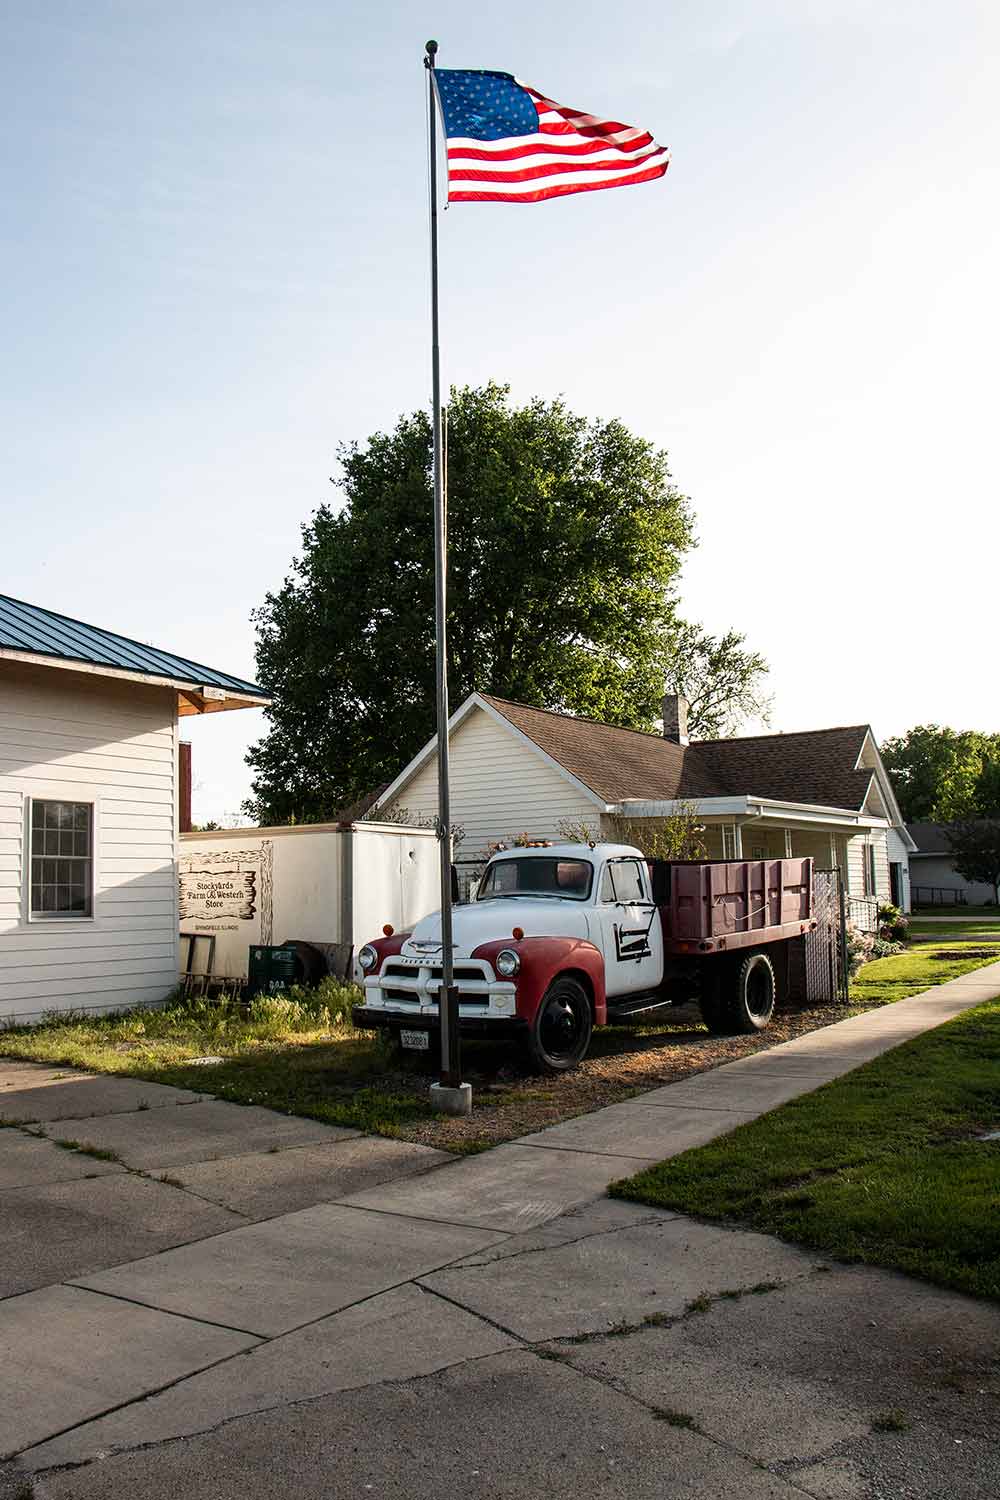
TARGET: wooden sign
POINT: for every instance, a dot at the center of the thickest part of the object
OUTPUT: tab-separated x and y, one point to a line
218	893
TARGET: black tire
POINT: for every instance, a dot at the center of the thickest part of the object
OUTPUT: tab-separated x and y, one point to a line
560	1033
756	990
738	999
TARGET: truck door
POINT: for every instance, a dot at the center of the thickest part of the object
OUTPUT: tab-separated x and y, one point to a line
630	935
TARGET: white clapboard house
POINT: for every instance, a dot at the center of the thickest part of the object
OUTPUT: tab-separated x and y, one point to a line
89	810
824	793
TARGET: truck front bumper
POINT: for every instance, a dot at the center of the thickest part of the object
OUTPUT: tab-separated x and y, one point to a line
495	1028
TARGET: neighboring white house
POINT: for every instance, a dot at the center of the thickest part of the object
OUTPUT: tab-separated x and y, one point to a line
936	882
89	810
516	769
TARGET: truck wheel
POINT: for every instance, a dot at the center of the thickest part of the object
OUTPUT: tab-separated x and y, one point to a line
560	1032
753	1004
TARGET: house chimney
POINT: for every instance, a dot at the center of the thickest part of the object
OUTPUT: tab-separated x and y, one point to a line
675	719
184	787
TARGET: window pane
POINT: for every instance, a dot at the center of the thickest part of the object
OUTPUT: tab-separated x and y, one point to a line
628	882
61	863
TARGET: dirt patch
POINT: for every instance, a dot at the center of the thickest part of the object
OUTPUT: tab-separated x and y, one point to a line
965	953
509	1102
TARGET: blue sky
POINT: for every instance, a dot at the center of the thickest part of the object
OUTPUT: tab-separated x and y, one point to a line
215	268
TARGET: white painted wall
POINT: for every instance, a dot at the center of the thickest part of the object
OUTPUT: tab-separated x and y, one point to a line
856	863
397	878
318	883
898	853
938	870
500	787
79	738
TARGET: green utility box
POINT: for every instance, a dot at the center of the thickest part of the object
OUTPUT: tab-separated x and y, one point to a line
272	969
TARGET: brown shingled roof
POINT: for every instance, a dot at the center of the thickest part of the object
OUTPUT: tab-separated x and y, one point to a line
815	767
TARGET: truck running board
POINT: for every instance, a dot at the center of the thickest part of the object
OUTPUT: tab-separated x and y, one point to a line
636	1005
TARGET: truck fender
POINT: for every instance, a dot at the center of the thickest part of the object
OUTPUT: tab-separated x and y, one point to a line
542	960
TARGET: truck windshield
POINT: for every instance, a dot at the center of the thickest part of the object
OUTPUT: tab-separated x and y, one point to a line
537	876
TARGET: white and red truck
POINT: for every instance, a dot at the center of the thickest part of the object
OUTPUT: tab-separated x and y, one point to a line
561	938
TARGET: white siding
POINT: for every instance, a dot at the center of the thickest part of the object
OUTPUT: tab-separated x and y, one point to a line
899	854
856	857
89	739
500	787
936	873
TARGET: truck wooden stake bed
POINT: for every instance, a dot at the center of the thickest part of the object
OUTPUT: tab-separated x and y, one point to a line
560	939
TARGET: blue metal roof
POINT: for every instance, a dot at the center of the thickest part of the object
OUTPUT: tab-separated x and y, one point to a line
41	632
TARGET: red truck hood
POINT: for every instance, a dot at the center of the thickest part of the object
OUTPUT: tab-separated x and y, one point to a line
485	921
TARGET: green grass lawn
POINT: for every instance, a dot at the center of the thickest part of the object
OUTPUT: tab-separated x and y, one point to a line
297	1053
883	1166
920	967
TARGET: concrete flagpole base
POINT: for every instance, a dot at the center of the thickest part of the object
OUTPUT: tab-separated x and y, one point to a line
452	1101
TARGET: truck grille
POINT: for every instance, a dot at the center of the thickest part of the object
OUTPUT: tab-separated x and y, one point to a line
473	981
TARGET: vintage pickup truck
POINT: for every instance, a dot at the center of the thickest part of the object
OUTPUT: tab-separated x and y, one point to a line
561	938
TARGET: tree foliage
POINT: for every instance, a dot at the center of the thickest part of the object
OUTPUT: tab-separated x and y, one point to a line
720	678
679	835
943	775
975	844
565	540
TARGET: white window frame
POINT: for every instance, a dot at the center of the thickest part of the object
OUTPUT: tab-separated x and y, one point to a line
49	917
871	871
729	841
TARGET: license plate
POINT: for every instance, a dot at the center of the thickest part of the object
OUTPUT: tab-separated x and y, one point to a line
417	1041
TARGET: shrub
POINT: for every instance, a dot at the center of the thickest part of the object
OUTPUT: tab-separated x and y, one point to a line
884	947
859	948
892	924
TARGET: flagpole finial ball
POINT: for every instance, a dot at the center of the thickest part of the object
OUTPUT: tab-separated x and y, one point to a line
431	48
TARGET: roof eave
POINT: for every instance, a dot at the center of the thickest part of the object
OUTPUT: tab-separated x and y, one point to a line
192	697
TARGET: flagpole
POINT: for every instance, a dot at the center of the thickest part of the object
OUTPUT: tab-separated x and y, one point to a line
449	1093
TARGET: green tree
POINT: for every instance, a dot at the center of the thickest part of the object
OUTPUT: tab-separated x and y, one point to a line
565	541
942	775
720	678
976	847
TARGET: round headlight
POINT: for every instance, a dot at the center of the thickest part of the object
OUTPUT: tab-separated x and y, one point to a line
507	962
367	957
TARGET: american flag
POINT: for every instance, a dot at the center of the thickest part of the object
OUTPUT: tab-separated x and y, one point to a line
507	143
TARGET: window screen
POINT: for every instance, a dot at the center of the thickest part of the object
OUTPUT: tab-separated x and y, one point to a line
62	859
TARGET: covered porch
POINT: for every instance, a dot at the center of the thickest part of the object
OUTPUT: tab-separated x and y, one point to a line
853	843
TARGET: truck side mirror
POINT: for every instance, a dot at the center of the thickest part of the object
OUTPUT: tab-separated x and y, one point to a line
454	885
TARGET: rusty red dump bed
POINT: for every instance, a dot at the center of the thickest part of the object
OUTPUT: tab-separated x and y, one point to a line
716	905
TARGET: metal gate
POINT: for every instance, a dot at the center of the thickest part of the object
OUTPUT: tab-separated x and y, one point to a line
817	964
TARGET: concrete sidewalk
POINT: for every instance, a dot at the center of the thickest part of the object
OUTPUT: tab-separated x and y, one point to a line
484	1321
